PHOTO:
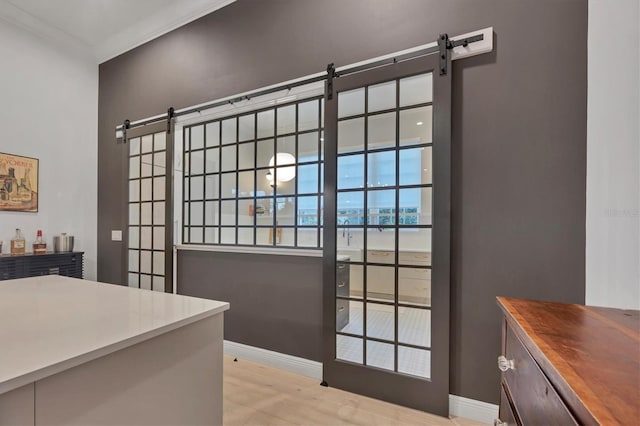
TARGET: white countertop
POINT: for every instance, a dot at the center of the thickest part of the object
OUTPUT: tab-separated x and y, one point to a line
50	324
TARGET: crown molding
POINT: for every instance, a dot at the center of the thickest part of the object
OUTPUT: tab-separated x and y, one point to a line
21	19
155	25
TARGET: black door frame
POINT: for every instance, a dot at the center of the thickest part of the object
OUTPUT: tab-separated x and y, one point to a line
150	129
430	395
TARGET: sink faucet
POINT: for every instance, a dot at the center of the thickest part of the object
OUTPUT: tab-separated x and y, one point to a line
346	231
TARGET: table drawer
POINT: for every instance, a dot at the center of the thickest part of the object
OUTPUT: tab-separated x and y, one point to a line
507	416
534	398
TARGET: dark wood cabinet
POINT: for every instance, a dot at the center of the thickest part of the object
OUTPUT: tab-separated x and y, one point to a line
33	265
532	396
568	364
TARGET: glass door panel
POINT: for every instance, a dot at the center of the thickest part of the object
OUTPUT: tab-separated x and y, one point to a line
394	191
390	328
147	261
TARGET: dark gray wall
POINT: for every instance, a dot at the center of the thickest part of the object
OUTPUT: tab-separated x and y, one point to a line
276	301
519	153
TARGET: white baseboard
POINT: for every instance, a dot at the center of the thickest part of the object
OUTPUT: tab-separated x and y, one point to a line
294	364
458	405
479	411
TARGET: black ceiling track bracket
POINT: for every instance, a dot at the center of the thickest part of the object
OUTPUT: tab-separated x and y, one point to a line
171	112
445	44
125	126
331	74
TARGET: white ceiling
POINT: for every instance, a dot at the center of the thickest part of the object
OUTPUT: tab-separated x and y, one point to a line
105	28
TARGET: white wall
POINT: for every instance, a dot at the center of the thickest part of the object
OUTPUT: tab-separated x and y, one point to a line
613	155
49	110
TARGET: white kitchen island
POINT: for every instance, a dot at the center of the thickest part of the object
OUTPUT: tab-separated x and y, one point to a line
76	352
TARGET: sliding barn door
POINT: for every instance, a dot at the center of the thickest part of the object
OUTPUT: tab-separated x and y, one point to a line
386	240
148	235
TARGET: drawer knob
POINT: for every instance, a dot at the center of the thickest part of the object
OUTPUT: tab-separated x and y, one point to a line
505	364
498	422
341	308
342	284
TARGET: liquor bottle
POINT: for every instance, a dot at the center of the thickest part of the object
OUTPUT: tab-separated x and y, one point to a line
18	243
40	245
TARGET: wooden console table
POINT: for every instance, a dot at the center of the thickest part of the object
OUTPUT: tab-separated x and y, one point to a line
569	364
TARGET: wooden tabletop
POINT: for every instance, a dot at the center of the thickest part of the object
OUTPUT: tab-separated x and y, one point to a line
591	355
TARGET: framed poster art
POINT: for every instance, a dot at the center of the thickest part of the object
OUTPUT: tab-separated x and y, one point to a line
18	183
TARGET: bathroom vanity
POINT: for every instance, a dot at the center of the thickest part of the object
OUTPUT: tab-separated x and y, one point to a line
76	352
414	280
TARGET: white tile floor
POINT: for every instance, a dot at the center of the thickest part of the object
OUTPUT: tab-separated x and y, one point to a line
414	327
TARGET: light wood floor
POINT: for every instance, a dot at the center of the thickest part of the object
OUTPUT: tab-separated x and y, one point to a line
255	394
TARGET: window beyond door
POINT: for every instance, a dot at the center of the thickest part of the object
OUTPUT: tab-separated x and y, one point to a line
255	179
